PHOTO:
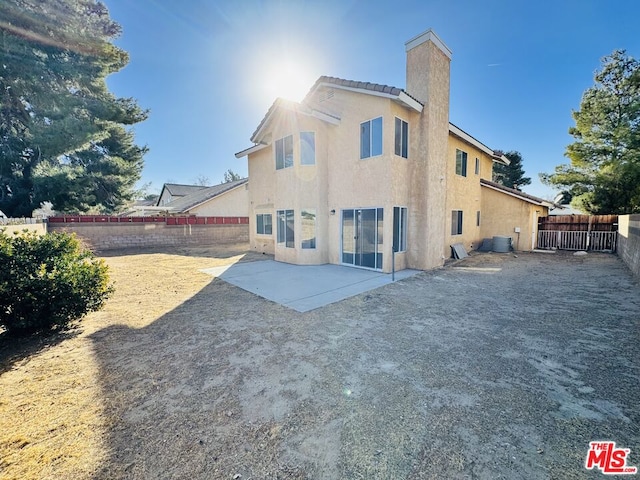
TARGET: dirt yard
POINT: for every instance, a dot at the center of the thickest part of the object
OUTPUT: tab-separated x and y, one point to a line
494	367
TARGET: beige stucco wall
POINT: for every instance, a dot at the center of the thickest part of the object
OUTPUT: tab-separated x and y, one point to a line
502	213
428	77
233	203
464	193
296	188
341	180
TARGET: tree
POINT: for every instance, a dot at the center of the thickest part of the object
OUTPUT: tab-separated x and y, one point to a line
231	176
202	180
604	174
511	175
62	133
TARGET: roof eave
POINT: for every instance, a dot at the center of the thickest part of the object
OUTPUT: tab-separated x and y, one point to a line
252	149
525	198
402	97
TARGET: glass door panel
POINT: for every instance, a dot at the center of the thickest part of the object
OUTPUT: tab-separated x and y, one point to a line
348	237
362	237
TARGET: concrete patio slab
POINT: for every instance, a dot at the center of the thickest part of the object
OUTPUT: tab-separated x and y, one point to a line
303	287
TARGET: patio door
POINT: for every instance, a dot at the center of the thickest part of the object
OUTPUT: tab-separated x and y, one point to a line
362	237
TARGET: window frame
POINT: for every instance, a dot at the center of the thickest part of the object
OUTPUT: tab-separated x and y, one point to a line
260	220
280	146
370	141
477	169
461	162
457	218
400	215
285	228
302	150
401	143
311	243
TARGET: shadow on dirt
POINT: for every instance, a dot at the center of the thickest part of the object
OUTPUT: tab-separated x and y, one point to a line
15	349
171	389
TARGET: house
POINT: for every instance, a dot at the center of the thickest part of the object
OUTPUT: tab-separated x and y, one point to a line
359	171
229	199
173	191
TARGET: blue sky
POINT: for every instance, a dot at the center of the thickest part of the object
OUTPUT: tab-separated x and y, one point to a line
209	70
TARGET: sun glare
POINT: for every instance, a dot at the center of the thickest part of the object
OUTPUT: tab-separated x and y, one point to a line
288	80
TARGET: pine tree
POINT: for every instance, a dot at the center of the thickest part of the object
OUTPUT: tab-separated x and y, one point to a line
604	174
62	133
511	175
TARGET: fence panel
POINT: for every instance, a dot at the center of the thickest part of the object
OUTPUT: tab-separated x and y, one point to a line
580	240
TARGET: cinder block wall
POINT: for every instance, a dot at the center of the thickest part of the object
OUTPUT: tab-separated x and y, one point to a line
629	241
39	228
112	236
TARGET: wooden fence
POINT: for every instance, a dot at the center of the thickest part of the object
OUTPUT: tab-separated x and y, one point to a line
596	233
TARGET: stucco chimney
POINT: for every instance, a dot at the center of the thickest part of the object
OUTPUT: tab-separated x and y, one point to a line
428	67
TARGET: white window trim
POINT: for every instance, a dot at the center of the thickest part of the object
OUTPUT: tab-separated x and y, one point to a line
381	117
394	137
275	153
314	148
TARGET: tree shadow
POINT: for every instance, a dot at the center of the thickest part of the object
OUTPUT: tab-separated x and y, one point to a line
14	349
172	391
204	251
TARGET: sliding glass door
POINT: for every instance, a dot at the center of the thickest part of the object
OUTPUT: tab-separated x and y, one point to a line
362	237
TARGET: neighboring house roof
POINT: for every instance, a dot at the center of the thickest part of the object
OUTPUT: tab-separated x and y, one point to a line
179	190
566	209
186	203
517	193
144	203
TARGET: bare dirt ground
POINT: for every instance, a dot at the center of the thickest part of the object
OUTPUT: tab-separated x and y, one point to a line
494	367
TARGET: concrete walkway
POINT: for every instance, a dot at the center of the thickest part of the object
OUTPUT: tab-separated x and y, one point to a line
303	287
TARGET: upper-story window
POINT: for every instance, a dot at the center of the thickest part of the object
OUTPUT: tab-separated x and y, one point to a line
307	148
402	138
461	163
371	138
284	152
477	166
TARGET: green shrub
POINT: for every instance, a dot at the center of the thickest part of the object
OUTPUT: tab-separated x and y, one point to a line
47	282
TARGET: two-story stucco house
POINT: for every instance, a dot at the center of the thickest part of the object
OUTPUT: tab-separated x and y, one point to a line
359	170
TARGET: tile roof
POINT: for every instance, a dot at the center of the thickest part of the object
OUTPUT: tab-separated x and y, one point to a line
184	204
338	82
374	87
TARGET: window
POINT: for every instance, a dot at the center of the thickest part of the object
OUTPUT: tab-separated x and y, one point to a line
307	148
477	166
478	218
308	228
399	229
456	222
284	152
402	138
371	138
285	228
263	222
461	163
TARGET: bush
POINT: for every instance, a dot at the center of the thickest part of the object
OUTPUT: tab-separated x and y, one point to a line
47	282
